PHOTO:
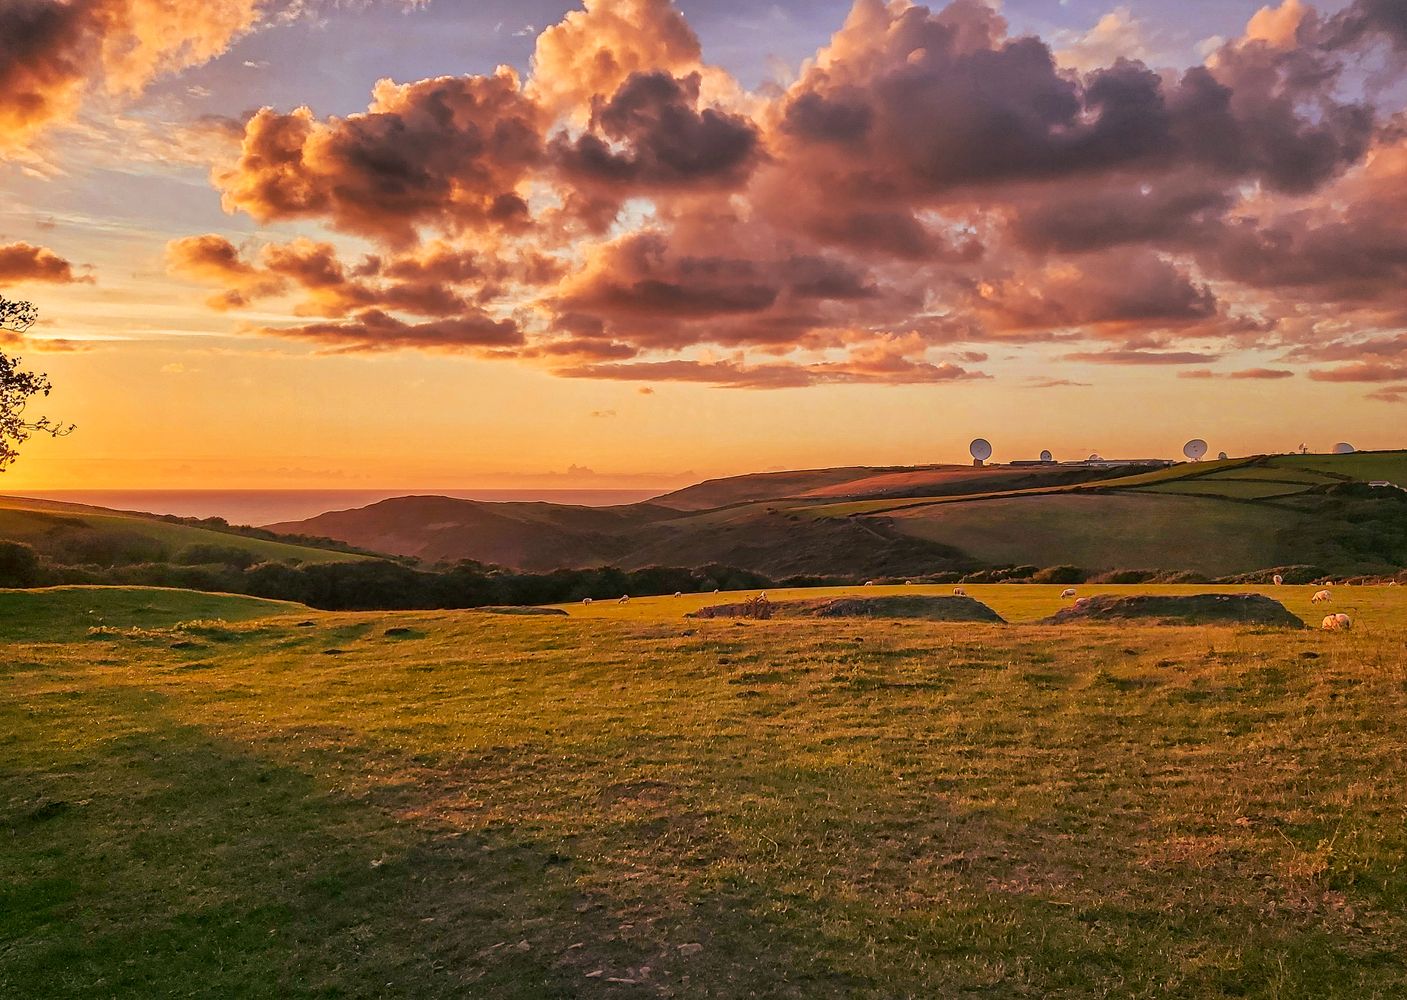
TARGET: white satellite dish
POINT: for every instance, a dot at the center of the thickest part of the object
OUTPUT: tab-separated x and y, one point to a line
1047	457
1344	448
981	449
1223	457
1195	450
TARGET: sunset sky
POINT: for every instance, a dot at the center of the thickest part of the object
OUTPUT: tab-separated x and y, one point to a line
451	243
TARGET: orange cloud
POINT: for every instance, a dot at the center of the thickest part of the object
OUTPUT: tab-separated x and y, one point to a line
53	51
21	262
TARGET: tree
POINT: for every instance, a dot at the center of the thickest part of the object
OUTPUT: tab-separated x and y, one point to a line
18	387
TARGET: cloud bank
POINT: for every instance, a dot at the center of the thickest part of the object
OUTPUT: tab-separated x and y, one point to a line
929	185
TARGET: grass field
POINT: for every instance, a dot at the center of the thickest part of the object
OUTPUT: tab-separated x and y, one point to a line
1107	530
43	524
470	805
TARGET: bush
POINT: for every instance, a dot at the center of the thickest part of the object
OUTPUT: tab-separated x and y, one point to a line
206	554
1126	576
19	565
1060	574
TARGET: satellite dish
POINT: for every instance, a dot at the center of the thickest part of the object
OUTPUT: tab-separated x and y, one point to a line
980	449
1094	458
1195	450
1223	457
1344	448
1047	457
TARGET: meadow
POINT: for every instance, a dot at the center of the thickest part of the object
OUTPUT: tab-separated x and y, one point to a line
225	797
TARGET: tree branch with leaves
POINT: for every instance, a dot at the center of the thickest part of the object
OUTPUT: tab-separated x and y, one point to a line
18	387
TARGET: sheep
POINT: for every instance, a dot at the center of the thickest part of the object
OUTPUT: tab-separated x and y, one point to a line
869	583
1337	623
1277	579
1323	597
678	593
1067	593
959	592
586	600
762	596
625	599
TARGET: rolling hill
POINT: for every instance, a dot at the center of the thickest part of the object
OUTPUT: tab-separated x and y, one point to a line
1216	518
80	535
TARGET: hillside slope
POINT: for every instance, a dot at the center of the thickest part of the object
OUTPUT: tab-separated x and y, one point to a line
80	535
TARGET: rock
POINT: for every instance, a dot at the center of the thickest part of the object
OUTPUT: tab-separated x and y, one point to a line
693	948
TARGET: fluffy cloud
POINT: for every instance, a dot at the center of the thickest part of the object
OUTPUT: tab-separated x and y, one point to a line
53	51
24	262
449	153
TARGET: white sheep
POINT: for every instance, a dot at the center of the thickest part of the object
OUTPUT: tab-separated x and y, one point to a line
1067	593
762	596
869	583
1323	597
678	593
625	599
1337	623
586	600
1277	579
959	592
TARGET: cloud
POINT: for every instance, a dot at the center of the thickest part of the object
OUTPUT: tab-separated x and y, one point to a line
449	153
650	135
1126	357
52	52
876	370
24	262
592	52
374	331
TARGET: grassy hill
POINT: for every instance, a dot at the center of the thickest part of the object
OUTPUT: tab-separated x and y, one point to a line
625	803
77	534
1218	518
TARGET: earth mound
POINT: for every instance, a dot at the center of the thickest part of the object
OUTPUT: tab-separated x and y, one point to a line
933	609
1197	609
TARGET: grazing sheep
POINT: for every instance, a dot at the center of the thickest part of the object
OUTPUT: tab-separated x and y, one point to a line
869	583
959	592
1277	579
1323	597
1067	593
678	593
1337	623
624	599
908	583
762	596
586	600
715	590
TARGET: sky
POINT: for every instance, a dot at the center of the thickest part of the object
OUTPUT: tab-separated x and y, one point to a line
636	243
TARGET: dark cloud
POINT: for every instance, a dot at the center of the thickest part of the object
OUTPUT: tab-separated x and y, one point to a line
24	262
650	136
374	331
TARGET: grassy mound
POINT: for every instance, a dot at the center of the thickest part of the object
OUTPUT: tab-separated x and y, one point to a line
1195	609
933	609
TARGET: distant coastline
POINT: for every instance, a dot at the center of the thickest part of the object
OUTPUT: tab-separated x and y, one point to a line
259	507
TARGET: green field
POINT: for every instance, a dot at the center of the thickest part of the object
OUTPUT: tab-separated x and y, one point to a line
629	803
53	527
1364	466
1107	531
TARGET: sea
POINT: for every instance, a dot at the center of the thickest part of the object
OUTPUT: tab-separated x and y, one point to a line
260	507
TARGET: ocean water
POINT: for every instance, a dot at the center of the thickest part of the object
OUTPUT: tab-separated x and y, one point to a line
260	507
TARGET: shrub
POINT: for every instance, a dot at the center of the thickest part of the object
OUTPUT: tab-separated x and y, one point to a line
19	565
207	554
1060	574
